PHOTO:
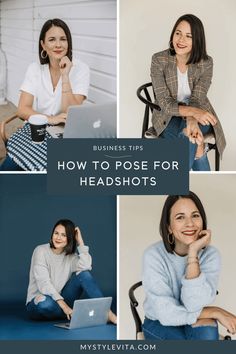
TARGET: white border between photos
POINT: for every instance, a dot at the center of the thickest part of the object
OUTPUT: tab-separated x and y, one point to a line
118	264
118	197
212	172
23	172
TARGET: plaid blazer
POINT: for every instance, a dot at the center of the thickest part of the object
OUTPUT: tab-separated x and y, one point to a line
165	86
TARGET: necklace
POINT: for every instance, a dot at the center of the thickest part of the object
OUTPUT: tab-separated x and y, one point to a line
55	78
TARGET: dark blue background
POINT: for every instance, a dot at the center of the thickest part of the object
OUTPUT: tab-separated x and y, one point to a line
27	216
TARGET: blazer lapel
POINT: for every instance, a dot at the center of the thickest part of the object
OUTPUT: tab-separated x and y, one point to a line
192	68
174	79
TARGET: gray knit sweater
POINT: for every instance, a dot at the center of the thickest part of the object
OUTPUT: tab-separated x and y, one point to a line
170	298
49	272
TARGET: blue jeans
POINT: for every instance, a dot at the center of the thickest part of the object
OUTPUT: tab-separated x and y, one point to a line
175	130
9	165
155	330
48	309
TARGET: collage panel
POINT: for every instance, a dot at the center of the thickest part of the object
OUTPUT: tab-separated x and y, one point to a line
182	292
171	57
58	255
57	78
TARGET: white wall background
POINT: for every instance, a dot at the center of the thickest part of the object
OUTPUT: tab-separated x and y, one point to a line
139	224
145	28
93	27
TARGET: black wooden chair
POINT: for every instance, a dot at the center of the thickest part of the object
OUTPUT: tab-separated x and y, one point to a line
133	306
137	320
146	94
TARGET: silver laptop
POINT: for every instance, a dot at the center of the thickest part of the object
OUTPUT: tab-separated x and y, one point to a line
88	313
88	121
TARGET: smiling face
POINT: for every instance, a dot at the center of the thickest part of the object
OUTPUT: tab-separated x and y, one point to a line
185	224
182	39
59	239
55	43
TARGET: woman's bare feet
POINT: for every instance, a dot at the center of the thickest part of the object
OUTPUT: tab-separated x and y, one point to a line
112	317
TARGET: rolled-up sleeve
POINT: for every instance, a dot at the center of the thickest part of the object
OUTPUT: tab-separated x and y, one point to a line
31	79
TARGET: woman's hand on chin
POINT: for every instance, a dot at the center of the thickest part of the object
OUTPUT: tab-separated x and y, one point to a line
78	237
203	240
65	66
58	119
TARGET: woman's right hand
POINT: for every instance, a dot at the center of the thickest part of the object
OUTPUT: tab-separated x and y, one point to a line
65	308
203	117
227	319
204	238
58	119
78	237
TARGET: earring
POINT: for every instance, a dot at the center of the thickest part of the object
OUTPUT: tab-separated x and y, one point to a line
171	239
43	56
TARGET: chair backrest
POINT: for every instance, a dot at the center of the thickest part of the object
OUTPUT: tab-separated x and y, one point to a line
133	305
146	94
7	129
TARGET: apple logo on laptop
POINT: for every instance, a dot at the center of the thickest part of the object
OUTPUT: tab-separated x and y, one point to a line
91	313
97	124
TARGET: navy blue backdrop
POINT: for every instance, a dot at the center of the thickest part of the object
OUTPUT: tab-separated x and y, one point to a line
27	215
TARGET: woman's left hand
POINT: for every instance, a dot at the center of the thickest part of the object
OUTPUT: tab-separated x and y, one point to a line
204	238
65	66
193	132
78	237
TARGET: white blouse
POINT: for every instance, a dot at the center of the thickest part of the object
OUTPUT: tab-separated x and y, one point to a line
184	91
38	83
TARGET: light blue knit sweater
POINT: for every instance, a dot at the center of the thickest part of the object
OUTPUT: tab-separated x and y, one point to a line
170	298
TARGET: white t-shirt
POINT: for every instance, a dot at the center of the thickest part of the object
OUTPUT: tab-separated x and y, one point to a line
184	91
38	83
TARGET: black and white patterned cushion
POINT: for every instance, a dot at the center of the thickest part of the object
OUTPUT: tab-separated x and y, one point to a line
27	154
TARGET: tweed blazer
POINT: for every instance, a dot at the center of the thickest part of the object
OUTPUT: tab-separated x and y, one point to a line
165	86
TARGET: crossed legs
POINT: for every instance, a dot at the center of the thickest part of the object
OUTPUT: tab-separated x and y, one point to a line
43	307
198	160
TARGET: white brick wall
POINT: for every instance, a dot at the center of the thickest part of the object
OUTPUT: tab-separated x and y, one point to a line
93	27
